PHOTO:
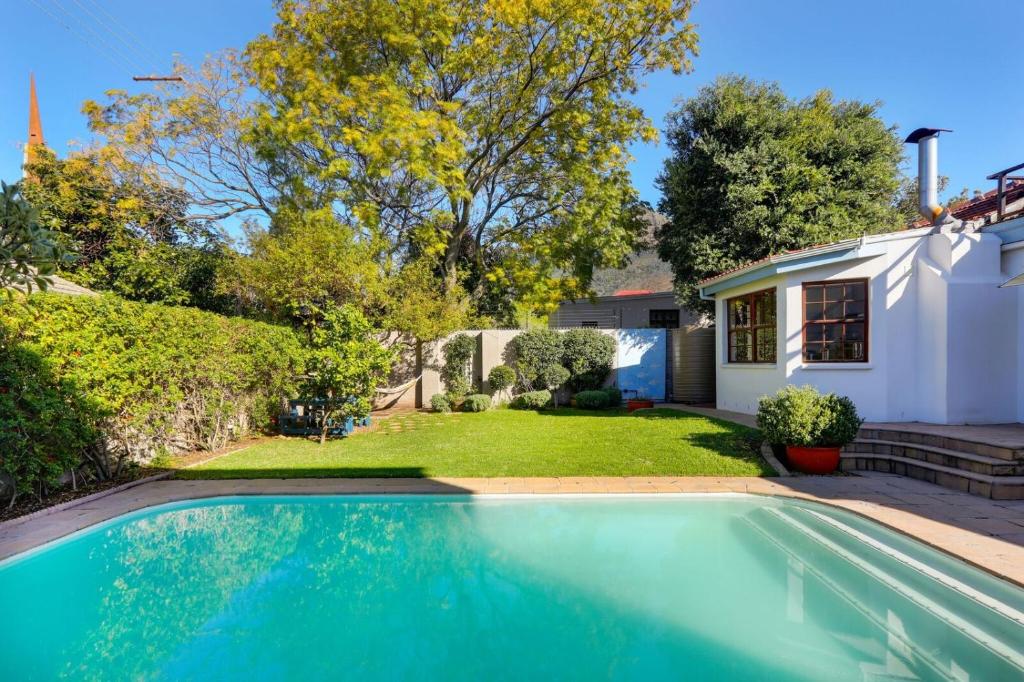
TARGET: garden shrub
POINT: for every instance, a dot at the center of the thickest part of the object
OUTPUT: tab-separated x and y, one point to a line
534	354
532	400
614	395
477	402
803	416
591	400
588	355
151	377
439	402
501	378
458	351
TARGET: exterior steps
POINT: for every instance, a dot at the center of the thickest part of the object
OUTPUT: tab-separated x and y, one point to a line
909	435
955	459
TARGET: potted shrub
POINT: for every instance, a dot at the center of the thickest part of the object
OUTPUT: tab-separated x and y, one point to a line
639	402
813	427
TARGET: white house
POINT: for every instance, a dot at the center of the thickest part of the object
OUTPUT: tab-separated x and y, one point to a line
911	325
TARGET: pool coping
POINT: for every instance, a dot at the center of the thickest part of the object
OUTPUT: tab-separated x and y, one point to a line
916	509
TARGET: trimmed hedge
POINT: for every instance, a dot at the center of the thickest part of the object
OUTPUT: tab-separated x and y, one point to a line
501	377
591	400
588	355
533	400
477	402
440	402
136	379
614	396
803	416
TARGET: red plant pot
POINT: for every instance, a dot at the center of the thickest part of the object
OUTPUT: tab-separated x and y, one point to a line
632	405
813	460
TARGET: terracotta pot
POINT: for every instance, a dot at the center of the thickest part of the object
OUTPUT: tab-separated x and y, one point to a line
813	460
632	405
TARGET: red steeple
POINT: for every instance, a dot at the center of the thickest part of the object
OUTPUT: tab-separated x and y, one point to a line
35	123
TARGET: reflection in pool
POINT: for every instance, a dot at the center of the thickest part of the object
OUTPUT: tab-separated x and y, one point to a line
452	588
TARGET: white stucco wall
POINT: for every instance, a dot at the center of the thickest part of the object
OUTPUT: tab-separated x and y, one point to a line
944	342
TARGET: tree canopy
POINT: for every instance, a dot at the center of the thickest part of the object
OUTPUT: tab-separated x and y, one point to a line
485	135
29	253
753	172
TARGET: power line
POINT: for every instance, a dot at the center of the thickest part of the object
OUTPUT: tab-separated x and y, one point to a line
144	55
78	35
153	56
113	48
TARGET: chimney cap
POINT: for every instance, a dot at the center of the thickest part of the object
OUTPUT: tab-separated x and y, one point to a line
922	133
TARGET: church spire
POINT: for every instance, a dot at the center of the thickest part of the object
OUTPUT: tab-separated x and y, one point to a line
35	124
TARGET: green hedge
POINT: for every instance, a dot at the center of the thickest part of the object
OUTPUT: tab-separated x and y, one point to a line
531	400
146	378
591	400
477	402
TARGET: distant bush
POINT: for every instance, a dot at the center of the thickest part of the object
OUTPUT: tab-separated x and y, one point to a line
477	402
500	378
803	416
588	355
439	402
533	400
614	395
591	400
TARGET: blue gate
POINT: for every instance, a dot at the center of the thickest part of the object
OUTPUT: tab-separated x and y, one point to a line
641	360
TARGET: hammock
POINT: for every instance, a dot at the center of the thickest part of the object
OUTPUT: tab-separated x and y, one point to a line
399	389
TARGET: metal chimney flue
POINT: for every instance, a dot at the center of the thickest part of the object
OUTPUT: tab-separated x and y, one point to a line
927	140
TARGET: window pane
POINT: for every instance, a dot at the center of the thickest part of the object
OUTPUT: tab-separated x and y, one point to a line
765	307
834	292
855	310
766	343
814	311
833	332
854	351
834	311
812	351
815	333
833	351
739	312
855	291
814	293
740	347
855	332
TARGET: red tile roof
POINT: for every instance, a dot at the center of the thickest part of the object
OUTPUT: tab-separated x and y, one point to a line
981	205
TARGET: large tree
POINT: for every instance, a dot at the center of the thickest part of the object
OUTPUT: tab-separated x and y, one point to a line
753	172
29	253
130	230
488	136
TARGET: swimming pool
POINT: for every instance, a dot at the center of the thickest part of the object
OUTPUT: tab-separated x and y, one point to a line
459	588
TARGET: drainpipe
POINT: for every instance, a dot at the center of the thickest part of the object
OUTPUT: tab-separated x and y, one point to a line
927	140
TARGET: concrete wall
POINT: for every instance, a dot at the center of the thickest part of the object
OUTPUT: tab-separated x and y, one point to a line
944	340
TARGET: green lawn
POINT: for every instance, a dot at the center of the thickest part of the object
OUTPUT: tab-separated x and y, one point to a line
560	442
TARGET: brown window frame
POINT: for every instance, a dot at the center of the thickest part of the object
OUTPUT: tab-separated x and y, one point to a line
753	328
843	321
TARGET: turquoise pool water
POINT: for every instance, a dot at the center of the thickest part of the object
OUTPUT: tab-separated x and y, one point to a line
454	588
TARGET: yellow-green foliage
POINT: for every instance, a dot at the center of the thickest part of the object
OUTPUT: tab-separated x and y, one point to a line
156	377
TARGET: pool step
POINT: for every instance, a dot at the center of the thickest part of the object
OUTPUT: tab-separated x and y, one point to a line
809	537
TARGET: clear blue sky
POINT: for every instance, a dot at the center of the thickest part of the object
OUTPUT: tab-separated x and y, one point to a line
936	63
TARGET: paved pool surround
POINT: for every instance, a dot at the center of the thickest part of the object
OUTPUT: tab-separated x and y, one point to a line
986	533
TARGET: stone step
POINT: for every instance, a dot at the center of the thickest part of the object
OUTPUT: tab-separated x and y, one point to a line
960	443
968	461
993	487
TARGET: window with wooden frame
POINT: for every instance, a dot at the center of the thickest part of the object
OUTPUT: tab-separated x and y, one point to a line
753	336
836	321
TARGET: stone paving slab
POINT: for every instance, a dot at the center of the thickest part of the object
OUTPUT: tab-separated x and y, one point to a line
986	533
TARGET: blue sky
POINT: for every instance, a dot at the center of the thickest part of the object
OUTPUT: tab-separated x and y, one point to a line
937	63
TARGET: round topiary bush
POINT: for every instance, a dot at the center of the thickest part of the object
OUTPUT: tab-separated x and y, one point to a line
588	355
477	402
534	400
591	400
440	403
501	378
533	353
804	417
